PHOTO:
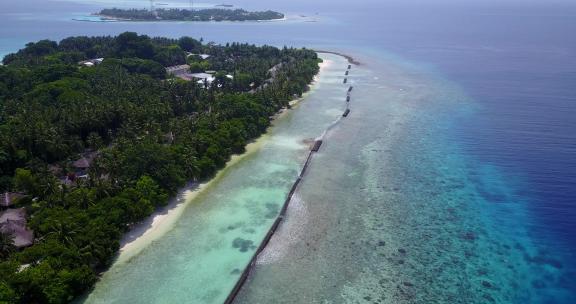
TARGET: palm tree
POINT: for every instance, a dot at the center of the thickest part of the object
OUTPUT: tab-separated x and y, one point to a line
62	232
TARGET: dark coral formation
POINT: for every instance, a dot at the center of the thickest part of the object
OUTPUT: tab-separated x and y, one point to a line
243	245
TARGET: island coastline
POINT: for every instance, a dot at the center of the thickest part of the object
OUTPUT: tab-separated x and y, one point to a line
127	175
107	18
188	15
350	59
280	218
162	221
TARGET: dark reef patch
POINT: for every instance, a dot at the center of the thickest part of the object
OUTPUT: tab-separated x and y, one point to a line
469	236
235	271
271	210
543	260
243	245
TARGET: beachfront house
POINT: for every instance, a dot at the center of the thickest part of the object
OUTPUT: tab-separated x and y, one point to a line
80	169
8	199
203	78
183	72
273	73
91	62
180	71
13	222
83	164
202	56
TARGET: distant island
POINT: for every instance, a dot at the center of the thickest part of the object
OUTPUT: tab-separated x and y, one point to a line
175	14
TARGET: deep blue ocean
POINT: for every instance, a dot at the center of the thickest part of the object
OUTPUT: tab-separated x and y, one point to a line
516	60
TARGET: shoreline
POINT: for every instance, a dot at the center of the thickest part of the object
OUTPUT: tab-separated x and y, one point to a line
280	218
350	59
162	221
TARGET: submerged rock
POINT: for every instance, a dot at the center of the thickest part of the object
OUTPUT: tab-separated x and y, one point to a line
249	230
242	244
482	272
271	211
469	236
543	260
489	298
235	271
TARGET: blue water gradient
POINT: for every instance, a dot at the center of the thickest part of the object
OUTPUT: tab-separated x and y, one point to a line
513	143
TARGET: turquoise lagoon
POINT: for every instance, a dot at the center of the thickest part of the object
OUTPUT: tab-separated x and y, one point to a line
452	180
407	218
202	257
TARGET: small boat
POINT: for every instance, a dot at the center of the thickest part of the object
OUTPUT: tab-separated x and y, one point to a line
346	113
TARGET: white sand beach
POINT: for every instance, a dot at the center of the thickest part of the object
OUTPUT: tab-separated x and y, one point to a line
162	221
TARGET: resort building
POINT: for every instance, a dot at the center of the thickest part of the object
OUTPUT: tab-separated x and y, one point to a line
13	222
180	71
91	62
203	78
183	72
203	56
82	164
8	199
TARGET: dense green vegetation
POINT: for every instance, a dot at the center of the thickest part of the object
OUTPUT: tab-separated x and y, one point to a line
153	133
213	14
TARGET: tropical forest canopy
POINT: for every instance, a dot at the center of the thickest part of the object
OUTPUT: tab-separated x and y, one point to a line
151	133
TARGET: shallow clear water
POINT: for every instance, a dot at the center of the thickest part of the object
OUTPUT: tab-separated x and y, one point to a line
452	181
200	260
409	218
